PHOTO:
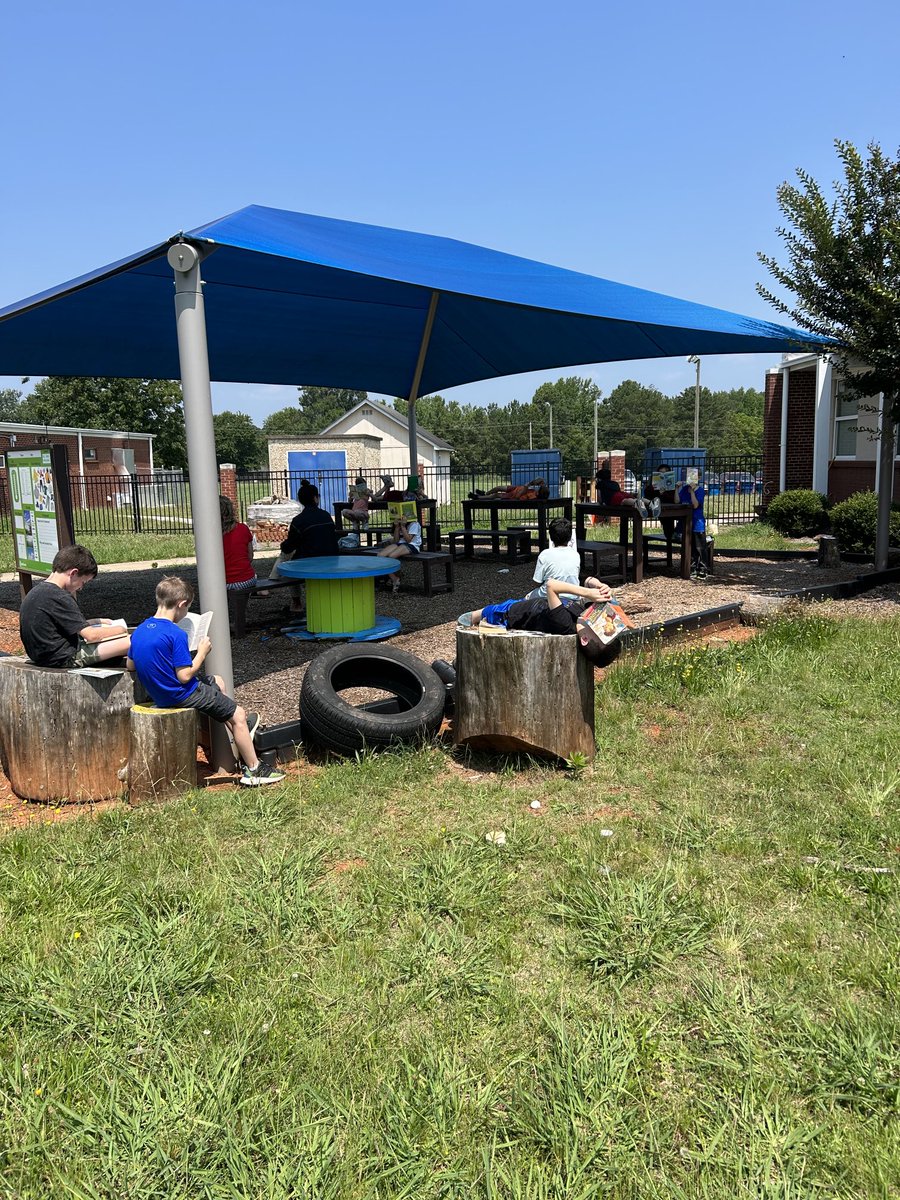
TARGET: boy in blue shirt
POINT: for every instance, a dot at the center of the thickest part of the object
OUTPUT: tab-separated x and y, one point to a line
693	494
161	658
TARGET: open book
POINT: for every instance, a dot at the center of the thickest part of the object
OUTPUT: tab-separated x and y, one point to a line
607	620
196	626
403	510
114	629
692	476
663	481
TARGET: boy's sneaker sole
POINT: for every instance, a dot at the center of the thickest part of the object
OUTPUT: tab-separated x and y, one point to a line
252	723
260	779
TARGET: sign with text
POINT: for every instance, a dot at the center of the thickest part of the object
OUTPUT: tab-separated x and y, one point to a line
41	506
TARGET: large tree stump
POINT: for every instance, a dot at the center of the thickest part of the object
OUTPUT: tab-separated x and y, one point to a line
521	692
163	758
63	737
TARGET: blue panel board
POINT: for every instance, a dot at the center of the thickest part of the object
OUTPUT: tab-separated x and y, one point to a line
537	464
677	457
327	469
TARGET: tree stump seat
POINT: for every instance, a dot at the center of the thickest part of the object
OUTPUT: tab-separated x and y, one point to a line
163	758
64	735
526	692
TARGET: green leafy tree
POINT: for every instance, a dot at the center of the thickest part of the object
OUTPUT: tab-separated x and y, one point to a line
10	404
634	417
319	406
239	441
286	422
316	408
132	405
843	270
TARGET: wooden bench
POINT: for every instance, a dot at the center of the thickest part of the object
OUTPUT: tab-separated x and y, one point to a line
430	559
238	601
518	542
592	552
672	545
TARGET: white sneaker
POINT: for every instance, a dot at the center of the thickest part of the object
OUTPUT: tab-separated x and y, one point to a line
260	775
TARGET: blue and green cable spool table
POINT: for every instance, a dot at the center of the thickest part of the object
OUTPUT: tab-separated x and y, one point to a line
340	596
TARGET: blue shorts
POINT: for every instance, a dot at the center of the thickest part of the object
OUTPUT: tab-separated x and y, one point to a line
497	614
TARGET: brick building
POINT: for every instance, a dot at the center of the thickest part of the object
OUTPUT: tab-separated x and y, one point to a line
91	451
820	438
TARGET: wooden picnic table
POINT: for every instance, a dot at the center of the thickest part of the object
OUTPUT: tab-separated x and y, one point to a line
631	532
494	505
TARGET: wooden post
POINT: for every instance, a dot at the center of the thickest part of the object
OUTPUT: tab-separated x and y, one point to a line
521	692
63	735
829	554
163	758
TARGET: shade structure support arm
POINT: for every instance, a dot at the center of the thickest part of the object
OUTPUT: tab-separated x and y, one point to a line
190	318
886	440
416	381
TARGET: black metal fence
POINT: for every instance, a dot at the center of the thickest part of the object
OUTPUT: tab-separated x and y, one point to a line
161	502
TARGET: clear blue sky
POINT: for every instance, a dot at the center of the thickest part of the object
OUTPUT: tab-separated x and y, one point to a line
643	143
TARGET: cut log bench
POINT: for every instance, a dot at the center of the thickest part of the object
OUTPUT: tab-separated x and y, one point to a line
68	738
63	737
532	693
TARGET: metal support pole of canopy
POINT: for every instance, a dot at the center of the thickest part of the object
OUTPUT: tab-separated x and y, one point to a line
414	390
190	318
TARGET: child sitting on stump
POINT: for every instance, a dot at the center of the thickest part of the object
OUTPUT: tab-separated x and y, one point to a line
162	660
54	631
552	615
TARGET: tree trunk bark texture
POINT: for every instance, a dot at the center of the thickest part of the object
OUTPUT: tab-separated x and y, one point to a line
163	759
63	737
523	693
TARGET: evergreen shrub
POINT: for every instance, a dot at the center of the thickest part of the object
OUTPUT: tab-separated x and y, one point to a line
854	520
798	513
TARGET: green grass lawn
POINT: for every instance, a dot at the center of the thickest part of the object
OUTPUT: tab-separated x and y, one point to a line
679	979
121	547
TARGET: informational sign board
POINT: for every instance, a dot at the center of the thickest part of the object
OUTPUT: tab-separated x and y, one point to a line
41	505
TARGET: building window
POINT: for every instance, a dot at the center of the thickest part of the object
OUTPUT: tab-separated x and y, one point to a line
90	454
845	422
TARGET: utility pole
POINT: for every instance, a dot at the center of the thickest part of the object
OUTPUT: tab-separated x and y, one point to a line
550	406
530	442
695	358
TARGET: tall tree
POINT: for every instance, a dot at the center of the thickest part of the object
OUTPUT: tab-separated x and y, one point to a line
319	406
132	405
843	268
239	441
10	404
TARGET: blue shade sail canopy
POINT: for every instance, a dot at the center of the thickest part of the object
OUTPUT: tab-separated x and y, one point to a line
298	299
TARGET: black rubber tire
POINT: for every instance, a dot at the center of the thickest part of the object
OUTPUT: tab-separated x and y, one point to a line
338	726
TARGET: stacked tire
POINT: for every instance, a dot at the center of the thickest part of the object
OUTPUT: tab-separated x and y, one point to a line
413	715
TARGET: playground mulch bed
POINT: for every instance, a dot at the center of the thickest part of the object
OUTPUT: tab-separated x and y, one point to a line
268	667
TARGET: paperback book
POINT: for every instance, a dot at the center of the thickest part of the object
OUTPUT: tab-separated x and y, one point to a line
607	620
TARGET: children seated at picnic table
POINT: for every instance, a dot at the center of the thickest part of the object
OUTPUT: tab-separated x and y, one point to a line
560	561
552	615
162	661
54	631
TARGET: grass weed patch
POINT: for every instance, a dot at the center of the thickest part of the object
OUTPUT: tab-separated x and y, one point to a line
677	978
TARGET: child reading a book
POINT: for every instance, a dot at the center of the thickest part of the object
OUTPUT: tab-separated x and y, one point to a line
405	537
694	494
359	497
161	658
552	615
54	631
